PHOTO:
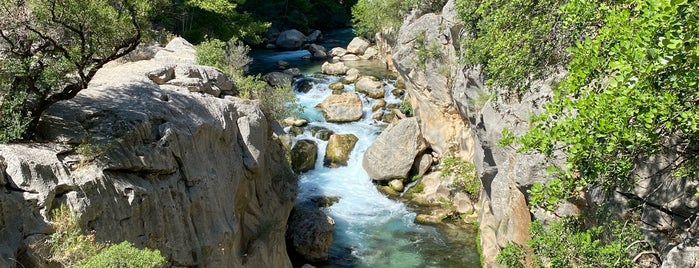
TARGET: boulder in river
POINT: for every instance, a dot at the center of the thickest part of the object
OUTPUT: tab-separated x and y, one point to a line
339	148
346	107
310	233
357	46
290	40
370	53
278	79
315	36
392	154
338	52
303	155
350	57
318	52
351	76
337	68
371	86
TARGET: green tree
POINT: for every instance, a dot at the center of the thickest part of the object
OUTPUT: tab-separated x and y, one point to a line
632	92
51	49
197	20
516	42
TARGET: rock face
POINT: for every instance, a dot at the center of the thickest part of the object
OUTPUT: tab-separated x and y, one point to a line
392	154
303	155
346	107
443	94
290	39
339	148
371	86
203	179
310	233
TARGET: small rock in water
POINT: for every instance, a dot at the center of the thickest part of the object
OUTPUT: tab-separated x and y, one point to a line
295	121
378	115
397	185
283	64
378	105
387	190
325	201
338	86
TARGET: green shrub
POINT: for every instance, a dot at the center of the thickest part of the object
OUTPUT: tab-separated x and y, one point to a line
463	174
406	108
231	57
515	41
570	243
70	247
68	244
125	254
512	256
425	50
373	16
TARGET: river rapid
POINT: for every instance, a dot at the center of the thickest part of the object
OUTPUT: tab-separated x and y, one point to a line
371	230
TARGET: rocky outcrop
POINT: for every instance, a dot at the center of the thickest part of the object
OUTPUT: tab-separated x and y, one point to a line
455	118
201	178
392	154
339	148
303	155
346	107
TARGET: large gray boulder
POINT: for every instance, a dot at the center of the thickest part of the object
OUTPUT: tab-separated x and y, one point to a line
392	154
370	86
346	107
310	233
685	254
290	40
358	45
203	179
303	155
278	79
339	148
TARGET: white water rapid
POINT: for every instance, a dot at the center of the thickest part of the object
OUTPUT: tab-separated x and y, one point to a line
371	230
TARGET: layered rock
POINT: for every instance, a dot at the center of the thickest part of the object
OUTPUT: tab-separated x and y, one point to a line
203	179
345	107
392	154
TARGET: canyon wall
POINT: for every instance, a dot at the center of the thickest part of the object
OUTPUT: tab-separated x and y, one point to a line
156	152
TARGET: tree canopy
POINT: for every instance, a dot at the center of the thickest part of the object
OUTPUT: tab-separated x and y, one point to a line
51	49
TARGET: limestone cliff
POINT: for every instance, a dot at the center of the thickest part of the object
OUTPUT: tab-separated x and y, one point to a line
458	114
165	158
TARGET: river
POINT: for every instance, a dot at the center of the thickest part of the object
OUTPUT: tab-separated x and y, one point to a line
371	230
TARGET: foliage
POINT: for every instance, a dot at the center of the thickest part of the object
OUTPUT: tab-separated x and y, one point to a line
302	15
90	149
507	138
51	49
406	108
71	247
631	92
463	176
512	256
425	50
231	57
568	243
68	244
372	16
515	41
125	254
197	20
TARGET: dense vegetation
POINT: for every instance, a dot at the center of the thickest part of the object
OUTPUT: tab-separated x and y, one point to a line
71	247
302	14
51	49
630	93
371	16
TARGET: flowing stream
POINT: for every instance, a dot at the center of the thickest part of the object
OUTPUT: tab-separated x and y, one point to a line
371	230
